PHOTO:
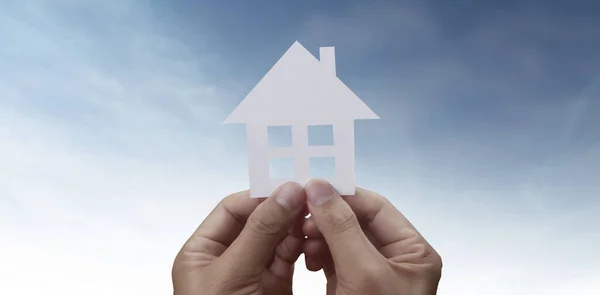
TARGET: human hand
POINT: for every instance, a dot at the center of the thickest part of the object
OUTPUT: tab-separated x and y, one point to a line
244	246
366	246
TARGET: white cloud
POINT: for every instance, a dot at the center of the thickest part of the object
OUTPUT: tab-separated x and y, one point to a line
100	181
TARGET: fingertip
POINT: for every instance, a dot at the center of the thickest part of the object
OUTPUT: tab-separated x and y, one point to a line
313	263
319	192
291	196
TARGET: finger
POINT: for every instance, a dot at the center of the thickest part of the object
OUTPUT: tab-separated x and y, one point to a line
388	226
314	252
339	225
310	228
220	228
317	256
314	247
288	251
266	227
313	263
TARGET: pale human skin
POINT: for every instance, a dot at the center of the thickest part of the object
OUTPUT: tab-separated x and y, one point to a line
364	245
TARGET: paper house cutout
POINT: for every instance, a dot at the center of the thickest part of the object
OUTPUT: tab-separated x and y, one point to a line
299	91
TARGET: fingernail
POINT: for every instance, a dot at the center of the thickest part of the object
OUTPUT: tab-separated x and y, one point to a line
318	192
290	196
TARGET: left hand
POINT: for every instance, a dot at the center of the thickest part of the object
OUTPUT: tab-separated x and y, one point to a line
245	246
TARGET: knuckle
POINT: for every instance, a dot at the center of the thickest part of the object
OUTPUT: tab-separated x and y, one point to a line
431	262
431	258
265	225
436	264
286	251
421	261
428	264
421	251
341	220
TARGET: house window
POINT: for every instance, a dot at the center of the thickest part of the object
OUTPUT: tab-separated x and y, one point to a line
319	135
281	168
280	136
322	167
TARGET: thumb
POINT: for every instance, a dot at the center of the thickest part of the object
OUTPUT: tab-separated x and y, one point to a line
266	227
337	222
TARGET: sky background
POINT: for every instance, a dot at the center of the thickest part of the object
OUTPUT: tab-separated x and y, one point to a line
112	147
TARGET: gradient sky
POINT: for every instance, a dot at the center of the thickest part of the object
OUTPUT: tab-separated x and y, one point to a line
112	147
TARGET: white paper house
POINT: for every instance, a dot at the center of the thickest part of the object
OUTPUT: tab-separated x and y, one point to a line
299	91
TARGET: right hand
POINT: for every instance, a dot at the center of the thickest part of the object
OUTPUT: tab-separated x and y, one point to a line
366	246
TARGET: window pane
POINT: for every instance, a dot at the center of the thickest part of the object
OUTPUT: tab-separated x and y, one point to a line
281	168
320	135
322	167
280	136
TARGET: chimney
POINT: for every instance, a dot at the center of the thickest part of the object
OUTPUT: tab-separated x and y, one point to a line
327	58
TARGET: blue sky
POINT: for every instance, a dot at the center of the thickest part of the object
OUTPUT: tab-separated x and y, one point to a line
112	147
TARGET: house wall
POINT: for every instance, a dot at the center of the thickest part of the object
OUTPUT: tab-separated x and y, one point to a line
261	185
343	136
258	160
301	155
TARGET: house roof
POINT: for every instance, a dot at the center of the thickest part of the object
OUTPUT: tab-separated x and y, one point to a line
300	89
